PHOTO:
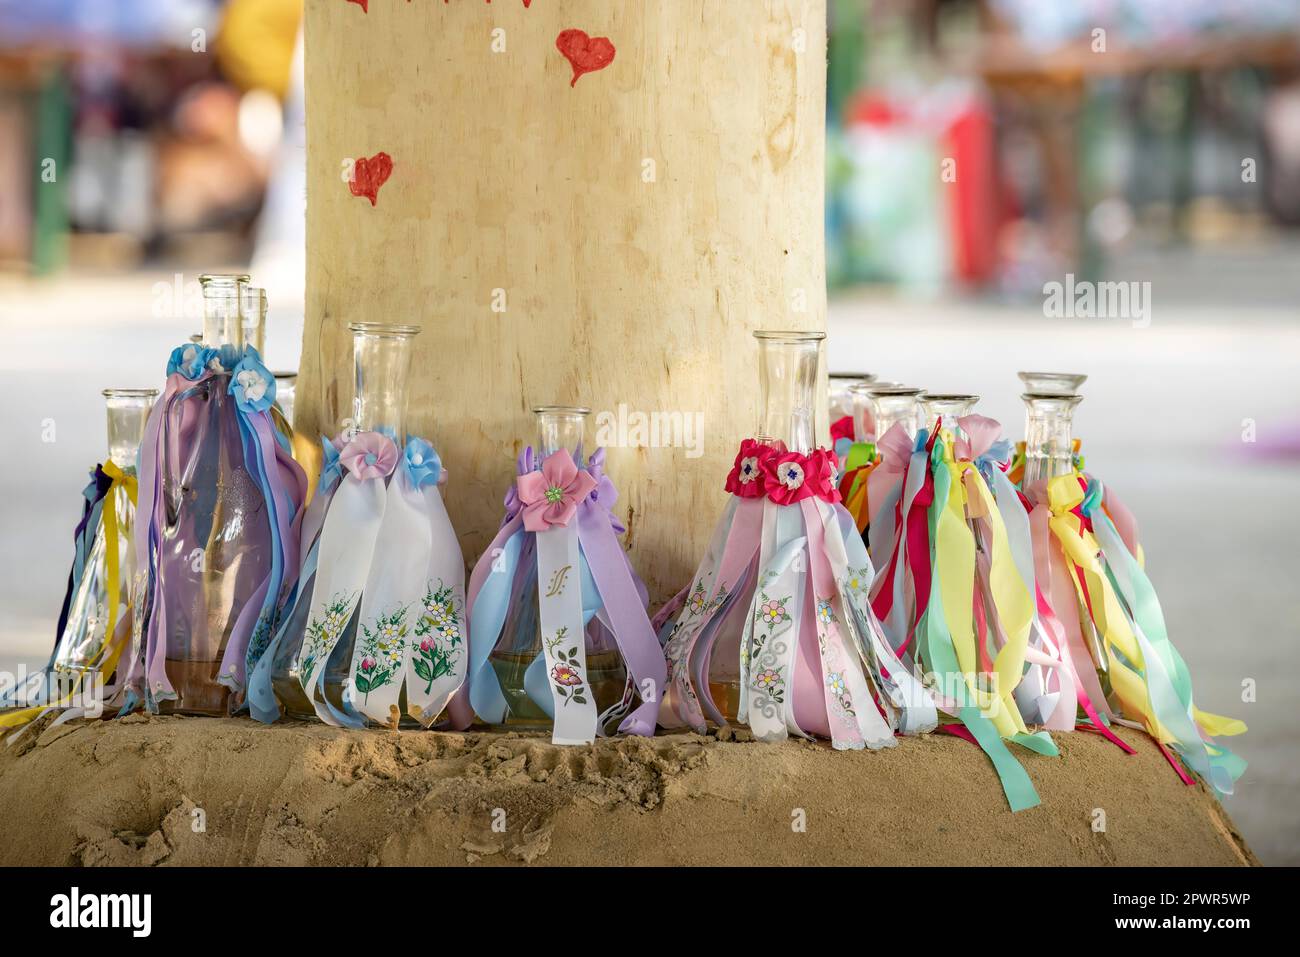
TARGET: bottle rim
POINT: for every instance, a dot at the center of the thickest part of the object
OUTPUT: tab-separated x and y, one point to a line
384	330
789	335
130	393
561	410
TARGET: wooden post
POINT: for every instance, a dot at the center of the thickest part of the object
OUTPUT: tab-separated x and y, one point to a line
568	229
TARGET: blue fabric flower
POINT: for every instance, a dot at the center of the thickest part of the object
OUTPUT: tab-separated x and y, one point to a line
252	385
422	463
190	360
331	468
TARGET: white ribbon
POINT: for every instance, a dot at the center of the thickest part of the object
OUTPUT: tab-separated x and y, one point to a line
435	673
559	591
777	610
347	546
391	604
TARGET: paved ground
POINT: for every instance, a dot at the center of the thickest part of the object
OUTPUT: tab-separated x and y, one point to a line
1162	423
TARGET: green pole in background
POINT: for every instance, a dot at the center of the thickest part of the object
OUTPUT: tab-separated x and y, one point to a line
53	117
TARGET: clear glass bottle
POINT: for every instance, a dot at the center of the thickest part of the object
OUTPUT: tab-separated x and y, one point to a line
286	387
215	544
85	634
381	363
1049	435
945	408
1052	383
520	644
894	404
842	385
864	413
787	380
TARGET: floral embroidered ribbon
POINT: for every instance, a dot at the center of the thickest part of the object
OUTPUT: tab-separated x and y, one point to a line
776	590
560	514
387	557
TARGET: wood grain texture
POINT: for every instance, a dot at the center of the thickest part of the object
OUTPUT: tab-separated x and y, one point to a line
617	290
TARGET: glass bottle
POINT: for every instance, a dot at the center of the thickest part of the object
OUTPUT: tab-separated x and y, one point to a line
520	644
1049	435
864	415
85	634
286	386
1052	383
894	404
215	544
842	385
252	315
381	363
946	408
787	367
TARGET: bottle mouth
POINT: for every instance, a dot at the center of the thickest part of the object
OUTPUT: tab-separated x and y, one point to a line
561	410
1052	383
789	335
384	330
1068	399
223	278
899	391
856	377
130	393
952	397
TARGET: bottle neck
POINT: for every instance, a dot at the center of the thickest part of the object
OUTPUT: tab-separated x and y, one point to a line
253	310
560	427
943	411
127	412
222	310
1049	438
787	381
381	359
895	408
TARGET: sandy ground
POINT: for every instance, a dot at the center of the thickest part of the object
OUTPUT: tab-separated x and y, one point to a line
135	792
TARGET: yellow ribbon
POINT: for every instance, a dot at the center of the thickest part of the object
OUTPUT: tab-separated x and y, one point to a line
1123	653
110	651
955	568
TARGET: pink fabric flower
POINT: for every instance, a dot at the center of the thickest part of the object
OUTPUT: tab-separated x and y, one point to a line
552	495
792	477
370	455
748	478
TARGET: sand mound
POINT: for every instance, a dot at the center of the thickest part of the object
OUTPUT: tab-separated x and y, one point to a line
170	790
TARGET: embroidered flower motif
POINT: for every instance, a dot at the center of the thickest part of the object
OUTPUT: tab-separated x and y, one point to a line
551	496
565	675
824	613
772	612
423	464
252	385
698	600
371	455
768	678
835	682
747	477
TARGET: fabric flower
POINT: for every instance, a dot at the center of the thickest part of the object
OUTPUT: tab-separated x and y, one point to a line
606	494
252	385
747	478
189	360
423	464
842	428
331	469
566	676
551	497
371	455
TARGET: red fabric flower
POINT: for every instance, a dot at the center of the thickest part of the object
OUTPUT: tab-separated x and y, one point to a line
842	428
748	475
793	477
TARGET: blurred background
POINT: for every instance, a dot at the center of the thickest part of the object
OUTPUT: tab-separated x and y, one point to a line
977	152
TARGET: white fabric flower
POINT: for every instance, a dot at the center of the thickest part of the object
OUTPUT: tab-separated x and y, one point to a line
748	469
253	384
791	475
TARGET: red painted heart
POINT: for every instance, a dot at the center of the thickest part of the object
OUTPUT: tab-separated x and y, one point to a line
585	54
370	174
